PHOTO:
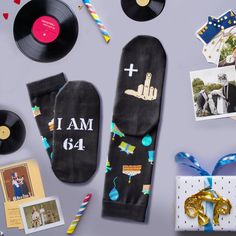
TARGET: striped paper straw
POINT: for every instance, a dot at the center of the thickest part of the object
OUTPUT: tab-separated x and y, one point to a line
97	19
78	216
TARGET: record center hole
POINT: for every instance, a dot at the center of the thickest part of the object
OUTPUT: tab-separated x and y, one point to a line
4	132
142	3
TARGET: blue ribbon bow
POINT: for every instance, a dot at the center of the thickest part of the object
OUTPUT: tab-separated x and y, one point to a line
186	159
215	26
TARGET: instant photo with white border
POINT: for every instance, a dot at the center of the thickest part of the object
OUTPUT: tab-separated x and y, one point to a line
44	226
212	84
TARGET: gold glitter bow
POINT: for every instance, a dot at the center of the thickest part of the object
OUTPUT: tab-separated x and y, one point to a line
194	208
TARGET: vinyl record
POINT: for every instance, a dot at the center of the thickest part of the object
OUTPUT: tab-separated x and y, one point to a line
142	10
45	30
12	132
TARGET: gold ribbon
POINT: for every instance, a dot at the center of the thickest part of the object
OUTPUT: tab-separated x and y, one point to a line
194	208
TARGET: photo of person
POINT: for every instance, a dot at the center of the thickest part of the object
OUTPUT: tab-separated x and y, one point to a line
35	218
24	187
16	182
41	214
214	93
16	186
228	53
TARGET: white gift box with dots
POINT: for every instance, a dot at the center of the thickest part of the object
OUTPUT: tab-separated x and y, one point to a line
186	186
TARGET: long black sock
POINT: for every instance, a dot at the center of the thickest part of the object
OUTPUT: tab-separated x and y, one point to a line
134	129
42	95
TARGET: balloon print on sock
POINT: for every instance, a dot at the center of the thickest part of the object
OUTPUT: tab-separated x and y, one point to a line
147	140
114	194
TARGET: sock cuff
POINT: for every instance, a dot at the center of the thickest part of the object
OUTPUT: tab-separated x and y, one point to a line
46	85
128	211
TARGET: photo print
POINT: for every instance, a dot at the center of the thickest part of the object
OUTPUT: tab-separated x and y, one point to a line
41	214
214	93
17	183
228	52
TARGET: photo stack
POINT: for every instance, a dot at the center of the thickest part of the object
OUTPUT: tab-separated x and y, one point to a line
214	90
21	183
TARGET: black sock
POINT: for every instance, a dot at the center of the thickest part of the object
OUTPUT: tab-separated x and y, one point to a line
42	95
76	133
134	129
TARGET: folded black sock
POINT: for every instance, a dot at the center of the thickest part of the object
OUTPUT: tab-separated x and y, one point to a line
76	133
134	129
42	95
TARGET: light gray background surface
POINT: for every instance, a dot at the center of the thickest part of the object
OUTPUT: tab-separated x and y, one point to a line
91	59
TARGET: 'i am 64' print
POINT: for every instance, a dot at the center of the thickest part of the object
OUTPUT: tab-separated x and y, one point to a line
80	124
71	144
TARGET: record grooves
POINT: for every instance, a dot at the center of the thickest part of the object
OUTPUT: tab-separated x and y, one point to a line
142	10
12	132
45	30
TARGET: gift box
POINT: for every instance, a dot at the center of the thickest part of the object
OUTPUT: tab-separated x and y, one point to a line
206	202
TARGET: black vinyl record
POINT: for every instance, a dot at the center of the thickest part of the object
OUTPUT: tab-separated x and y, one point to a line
45	30
12	132
142	10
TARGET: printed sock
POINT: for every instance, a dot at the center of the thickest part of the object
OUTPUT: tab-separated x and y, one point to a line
134	129
42	95
76	133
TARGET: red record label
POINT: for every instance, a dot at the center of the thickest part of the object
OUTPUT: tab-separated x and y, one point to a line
46	29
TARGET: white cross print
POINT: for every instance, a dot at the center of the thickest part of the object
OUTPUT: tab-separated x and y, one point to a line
131	70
